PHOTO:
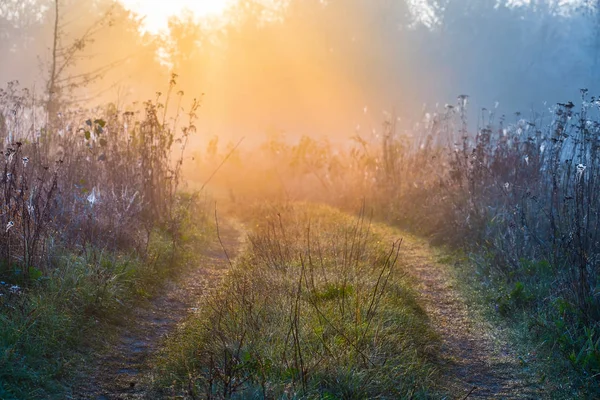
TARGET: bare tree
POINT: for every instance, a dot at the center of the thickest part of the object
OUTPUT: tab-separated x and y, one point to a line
62	80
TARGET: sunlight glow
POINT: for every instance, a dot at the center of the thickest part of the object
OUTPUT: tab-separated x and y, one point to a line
156	13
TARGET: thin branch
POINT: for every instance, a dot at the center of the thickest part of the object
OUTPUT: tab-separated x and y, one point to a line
98	71
222	163
470	392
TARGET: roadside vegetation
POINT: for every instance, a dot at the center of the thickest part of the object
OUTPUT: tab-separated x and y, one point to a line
91	221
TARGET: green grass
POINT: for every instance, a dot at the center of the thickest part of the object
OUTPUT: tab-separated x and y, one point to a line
527	312
315	307
45	325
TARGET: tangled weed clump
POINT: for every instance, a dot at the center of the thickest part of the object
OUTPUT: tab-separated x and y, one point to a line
91	218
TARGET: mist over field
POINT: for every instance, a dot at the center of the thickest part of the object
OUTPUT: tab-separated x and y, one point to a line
323	68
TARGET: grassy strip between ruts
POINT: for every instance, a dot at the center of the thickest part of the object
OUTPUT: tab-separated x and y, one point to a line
315	307
44	325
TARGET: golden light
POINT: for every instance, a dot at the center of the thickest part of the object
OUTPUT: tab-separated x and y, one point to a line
156	13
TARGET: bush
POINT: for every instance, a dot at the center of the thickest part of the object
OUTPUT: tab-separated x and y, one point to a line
91	219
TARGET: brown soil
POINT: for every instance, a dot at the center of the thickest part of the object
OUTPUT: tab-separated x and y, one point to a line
120	371
476	361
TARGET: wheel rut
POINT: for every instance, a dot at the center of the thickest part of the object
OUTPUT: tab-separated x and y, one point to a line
121	370
475	360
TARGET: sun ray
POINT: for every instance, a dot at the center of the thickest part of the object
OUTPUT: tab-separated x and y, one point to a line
156	13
